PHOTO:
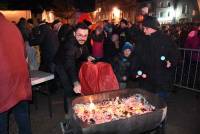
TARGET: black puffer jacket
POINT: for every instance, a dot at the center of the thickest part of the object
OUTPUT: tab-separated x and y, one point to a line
64	32
147	57
47	39
71	55
121	66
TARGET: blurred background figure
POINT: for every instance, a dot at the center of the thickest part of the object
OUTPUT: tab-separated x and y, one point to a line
97	43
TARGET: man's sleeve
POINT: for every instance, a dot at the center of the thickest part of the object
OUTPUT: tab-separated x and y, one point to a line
135	61
69	61
173	52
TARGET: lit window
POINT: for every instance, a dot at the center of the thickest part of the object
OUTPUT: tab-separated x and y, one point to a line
161	4
168	4
185	9
116	12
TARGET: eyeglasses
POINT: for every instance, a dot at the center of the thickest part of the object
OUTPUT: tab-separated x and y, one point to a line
82	36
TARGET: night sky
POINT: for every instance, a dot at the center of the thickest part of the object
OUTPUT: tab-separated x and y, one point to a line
87	5
38	5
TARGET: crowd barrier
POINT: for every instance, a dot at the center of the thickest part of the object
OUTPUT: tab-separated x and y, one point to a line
187	72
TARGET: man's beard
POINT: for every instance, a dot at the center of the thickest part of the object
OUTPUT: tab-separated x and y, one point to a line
81	42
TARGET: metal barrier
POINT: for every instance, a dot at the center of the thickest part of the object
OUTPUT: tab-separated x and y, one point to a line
187	73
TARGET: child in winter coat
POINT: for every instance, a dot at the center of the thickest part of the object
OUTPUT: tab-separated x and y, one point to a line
122	64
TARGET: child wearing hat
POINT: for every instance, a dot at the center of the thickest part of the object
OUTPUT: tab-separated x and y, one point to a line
122	64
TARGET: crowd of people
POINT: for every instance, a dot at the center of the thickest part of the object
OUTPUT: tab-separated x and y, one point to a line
179	32
144	52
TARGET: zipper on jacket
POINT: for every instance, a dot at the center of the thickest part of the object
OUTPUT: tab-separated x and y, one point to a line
81	50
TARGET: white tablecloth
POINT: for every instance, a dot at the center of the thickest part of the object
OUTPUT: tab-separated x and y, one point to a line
38	77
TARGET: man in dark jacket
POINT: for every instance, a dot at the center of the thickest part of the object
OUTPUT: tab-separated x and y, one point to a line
124	34
48	42
155	57
69	58
47	39
62	30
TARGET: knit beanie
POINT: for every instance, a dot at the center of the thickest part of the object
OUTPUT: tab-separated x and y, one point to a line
151	22
124	21
128	45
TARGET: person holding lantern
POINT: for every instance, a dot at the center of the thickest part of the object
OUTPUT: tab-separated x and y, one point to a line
149	54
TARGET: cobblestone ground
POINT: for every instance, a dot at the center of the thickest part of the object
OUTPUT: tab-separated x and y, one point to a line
183	114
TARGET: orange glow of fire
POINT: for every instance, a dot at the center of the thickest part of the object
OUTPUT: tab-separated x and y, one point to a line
91	105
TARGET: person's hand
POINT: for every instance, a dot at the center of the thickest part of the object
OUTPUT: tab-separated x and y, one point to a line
90	58
144	76
168	64
27	60
77	87
124	78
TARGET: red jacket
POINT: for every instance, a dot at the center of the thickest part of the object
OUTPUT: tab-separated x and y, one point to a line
97	49
193	42
14	79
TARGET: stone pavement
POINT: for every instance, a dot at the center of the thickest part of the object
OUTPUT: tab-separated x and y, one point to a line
183	114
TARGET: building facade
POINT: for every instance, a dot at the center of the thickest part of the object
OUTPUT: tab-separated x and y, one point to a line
174	11
164	11
115	10
187	10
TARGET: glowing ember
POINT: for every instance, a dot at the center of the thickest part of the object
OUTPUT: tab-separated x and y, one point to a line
115	109
91	105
